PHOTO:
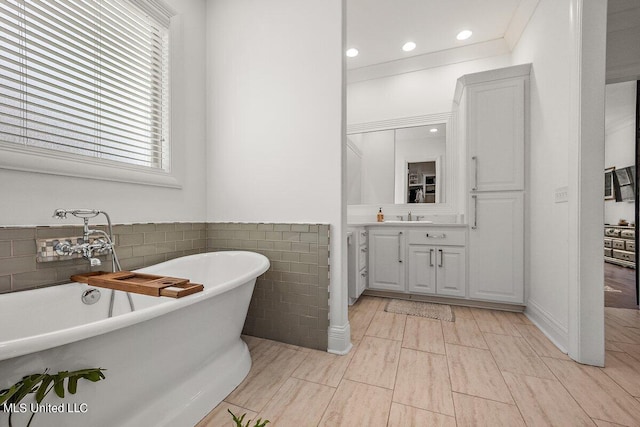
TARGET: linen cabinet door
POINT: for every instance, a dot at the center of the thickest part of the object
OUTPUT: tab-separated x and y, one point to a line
496	247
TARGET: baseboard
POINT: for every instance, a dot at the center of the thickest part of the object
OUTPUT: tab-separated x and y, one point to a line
446	300
550	327
340	339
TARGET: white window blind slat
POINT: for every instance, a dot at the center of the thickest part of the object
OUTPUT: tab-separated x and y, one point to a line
86	77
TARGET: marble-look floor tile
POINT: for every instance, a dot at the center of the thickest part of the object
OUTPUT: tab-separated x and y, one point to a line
463	332
408	416
358	404
513	354
473	371
596	393
545	402
298	403
323	368
421	333
423	382
539	342
359	322
624	334
460	312
613	346
474	411
495	322
625	316
221	417
632	350
517	318
271	367
624	370
387	325
252	342
601	423
375	362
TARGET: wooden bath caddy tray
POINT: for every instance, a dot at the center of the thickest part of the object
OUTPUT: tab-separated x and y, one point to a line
139	283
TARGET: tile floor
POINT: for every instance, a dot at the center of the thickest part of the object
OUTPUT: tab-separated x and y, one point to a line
488	368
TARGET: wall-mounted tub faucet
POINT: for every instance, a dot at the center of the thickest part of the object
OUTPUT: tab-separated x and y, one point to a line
87	249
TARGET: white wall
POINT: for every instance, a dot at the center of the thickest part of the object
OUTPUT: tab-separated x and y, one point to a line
417	93
564	301
30	198
274	120
619	150
546	42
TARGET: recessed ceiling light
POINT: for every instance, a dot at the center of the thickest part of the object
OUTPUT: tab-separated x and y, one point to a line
352	52
464	34
433	130
408	46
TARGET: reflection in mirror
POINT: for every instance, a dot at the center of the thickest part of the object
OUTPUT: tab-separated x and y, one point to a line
396	166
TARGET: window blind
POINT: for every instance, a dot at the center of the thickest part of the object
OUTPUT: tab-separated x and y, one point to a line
87	78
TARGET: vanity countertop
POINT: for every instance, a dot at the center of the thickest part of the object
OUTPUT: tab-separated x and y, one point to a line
404	224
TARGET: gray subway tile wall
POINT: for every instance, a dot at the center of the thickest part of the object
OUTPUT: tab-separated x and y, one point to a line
291	300
137	245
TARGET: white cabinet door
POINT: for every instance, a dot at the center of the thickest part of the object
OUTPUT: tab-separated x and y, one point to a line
386	260
496	247
495	135
422	269
451	269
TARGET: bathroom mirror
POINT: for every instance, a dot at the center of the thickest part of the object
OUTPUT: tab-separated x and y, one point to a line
403	165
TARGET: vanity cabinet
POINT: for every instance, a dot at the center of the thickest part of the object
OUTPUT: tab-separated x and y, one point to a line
421	260
357	260
386	259
434	266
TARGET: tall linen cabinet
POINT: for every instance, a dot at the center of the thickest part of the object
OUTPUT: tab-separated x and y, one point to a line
492	121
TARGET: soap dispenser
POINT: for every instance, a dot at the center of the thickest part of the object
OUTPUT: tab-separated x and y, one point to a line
380	215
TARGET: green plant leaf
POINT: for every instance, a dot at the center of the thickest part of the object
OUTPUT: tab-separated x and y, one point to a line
72	386
58	385
7	393
42	389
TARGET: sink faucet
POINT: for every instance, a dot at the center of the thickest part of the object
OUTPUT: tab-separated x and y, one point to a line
87	249
409	216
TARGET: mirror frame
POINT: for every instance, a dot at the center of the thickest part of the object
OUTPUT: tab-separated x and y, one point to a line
454	175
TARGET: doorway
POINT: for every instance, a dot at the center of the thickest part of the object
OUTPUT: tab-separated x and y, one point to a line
620	206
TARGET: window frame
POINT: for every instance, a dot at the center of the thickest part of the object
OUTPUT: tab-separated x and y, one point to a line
26	158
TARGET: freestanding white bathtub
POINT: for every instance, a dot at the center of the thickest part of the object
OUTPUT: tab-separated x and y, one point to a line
168	363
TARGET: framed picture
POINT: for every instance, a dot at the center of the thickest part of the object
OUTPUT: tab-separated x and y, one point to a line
609	193
624	176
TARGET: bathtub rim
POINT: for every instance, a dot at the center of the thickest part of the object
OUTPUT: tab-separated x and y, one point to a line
34	343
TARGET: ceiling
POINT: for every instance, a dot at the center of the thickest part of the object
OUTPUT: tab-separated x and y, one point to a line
379	28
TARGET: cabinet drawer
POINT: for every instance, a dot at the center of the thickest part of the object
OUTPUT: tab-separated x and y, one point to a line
608	252
611	232
627	256
631	245
618	244
629	234
363	256
607	243
438	237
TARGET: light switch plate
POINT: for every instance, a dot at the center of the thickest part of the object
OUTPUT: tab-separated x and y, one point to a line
562	194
